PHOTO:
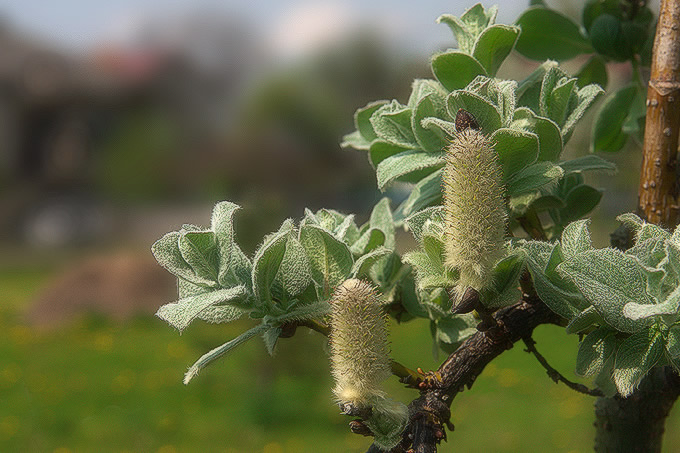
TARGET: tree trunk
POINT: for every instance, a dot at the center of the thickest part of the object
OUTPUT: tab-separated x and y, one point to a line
636	423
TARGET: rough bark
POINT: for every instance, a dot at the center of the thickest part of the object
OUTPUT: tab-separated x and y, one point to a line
636	423
658	188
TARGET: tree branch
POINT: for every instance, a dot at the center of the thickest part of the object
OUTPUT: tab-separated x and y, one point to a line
430	413
556	375
658	190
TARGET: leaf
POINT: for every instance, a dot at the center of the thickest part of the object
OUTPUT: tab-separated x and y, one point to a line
199	250
559	298
547	34
432	105
515	149
494	45
558	101
533	177
609	280
381	150
634	358
576	239
180	314
220	351
505	278
266	265
669	306
594	351
607	135
529	89
549	137
455	329
580	201
355	140
330	259
362	266
234	267
427	192
584	321
587	163
488	116
470	24
166	251
585	97
270	338
381	219
593	71
439	126
416	223
454	70
294	273
406	163
369	240
362	120
392	123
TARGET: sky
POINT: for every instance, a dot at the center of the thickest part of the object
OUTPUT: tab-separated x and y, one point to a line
291	27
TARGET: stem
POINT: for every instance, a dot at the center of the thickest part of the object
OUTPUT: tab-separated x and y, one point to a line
658	187
556	375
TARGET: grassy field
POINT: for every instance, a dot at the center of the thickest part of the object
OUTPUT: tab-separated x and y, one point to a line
99	386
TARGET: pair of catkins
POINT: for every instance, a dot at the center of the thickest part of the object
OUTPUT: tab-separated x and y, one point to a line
475	219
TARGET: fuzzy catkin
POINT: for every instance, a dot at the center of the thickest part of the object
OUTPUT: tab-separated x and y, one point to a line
359	344
476	213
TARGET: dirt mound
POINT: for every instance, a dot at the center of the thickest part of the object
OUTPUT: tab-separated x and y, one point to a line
117	286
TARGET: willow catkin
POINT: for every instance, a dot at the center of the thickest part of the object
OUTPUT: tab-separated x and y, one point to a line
359	344
476	214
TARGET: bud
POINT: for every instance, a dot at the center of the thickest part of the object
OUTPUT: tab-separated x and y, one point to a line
474	201
359	345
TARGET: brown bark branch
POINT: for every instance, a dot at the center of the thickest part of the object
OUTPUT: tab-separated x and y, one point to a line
430	413
658	190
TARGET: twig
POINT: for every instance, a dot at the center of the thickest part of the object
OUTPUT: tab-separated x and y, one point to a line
556	375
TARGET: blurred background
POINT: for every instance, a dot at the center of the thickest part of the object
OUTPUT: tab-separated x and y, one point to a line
120	121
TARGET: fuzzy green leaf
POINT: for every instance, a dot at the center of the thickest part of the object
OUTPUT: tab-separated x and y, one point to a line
427	192
381	219
585	97
594	351
634	358
576	239
584	321
392	123
533	177
486	114
220	351
362	266
669	306
587	163
166	251
607	135
580	201
549	137
234	267
330	259
493	46
432	105
515	149
609	279
416	223
362	120
470	25
180	314
199	250
454	70
381	150
548	34
407	163
529	89
266	265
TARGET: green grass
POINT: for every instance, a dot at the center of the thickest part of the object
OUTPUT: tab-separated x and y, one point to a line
99	386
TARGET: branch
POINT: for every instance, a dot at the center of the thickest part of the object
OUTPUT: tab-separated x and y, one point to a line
556	375
430	413
658	190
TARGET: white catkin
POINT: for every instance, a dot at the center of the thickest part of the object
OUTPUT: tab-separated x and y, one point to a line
476	214
359	344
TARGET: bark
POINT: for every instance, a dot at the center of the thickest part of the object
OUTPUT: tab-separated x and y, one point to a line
636	423
658	188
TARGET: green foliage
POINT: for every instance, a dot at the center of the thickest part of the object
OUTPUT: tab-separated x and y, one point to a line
628	302
290	278
611	30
